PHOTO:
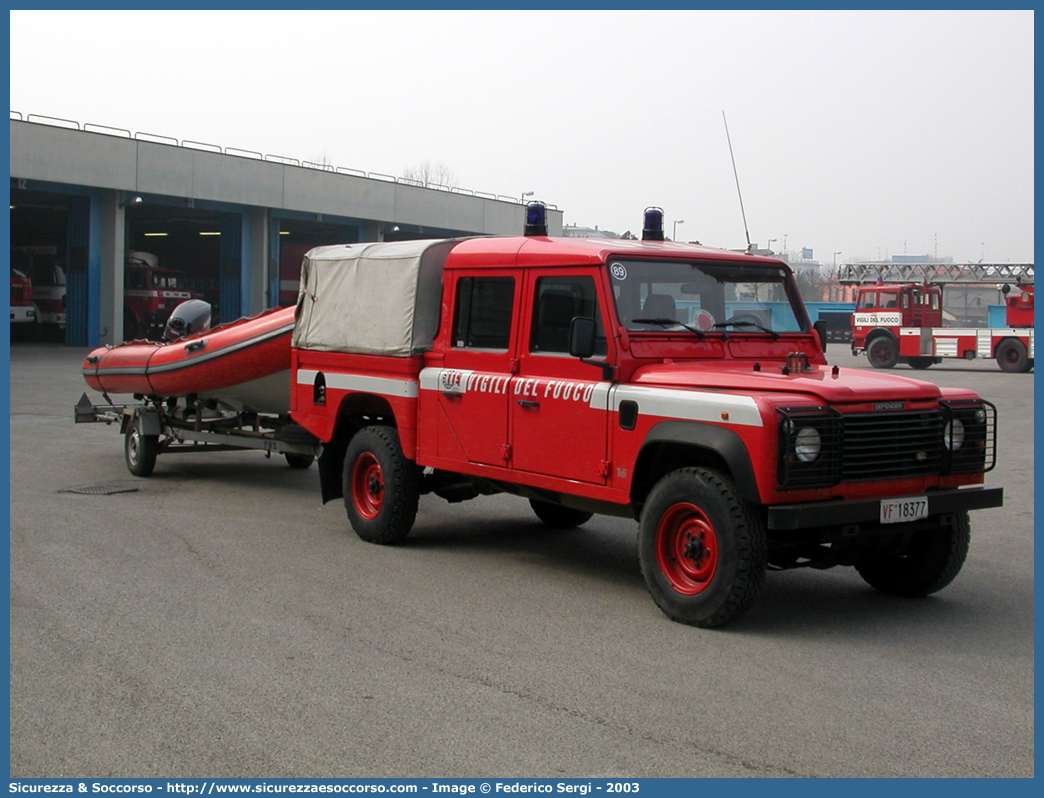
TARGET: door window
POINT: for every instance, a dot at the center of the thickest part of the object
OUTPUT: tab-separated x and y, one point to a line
483	313
558	301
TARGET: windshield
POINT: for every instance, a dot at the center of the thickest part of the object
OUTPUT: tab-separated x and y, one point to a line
708	298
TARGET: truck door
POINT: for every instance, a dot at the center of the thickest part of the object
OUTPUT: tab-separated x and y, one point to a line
473	385
559	406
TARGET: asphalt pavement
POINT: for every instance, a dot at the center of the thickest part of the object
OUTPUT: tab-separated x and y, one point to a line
216	620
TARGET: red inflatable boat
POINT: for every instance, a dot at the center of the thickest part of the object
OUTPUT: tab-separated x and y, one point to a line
245	363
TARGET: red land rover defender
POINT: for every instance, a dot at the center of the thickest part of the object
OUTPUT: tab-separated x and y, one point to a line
675	384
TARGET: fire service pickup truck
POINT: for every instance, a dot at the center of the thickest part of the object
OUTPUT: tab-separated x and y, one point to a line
675	384
646	379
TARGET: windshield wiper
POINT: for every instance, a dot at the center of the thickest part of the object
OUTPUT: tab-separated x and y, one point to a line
670	323
773	333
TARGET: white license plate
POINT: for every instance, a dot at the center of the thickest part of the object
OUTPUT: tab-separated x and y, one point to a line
899	511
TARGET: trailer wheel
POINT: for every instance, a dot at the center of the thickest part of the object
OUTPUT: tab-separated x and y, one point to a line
702	548
558	517
381	486
1012	356
883	352
139	450
928	563
299	460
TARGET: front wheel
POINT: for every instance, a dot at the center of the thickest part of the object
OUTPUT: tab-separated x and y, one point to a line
929	562
140	450
883	353
702	548
381	486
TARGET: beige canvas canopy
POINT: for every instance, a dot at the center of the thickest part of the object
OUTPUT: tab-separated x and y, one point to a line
380	298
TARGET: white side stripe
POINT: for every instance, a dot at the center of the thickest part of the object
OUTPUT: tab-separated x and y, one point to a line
689	405
385	386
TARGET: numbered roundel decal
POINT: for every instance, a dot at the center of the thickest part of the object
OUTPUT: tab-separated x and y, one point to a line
704	321
618	270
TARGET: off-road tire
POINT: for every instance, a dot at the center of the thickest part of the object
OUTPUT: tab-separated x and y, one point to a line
139	450
702	549
1013	357
381	486
558	517
883	352
930	562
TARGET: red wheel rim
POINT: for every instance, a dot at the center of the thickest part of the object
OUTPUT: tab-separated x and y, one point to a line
882	353
687	548
367	486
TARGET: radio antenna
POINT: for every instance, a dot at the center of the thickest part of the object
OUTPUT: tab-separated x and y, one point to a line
736	173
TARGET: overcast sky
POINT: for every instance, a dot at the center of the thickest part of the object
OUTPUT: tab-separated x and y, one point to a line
869	133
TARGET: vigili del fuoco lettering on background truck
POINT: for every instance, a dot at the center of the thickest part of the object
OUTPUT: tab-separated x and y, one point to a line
676	384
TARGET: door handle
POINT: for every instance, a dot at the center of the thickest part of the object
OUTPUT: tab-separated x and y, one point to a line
527	403
452	394
195	346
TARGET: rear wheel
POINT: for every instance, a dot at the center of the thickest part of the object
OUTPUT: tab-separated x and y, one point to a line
702	548
926	564
1012	356
558	517
381	486
883	353
140	450
299	460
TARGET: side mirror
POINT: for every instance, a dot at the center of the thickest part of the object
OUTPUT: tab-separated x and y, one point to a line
821	330
582	334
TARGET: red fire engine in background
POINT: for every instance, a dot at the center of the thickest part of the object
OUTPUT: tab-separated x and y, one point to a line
22	309
150	295
899	314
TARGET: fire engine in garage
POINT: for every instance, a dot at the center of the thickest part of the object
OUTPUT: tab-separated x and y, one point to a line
150	295
22	309
586	376
899	314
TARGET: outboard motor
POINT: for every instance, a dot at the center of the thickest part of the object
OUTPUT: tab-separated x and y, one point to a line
191	316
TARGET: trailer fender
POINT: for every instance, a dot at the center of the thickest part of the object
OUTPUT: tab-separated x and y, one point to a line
148	417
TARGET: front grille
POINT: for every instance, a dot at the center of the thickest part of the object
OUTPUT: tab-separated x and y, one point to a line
860	447
891	445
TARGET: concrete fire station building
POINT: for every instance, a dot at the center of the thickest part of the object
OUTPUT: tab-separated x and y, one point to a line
234	222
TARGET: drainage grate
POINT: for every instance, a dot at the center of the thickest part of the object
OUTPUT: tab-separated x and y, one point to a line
99	490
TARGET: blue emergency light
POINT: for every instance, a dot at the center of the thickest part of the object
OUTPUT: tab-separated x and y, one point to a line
653	229
536	219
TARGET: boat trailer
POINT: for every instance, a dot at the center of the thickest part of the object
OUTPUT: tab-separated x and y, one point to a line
157	425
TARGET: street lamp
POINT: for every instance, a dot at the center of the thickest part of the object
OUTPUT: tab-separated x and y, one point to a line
526	194
674	235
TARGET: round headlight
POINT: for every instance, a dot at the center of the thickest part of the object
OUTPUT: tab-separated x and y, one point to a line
953	435
807	444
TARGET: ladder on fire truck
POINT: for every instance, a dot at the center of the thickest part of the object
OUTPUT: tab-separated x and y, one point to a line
937	273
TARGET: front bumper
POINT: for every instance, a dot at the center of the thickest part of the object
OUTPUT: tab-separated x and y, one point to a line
867	511
21	314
